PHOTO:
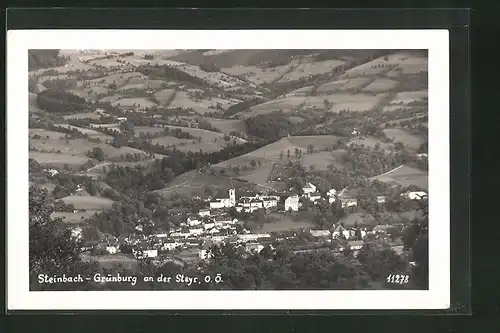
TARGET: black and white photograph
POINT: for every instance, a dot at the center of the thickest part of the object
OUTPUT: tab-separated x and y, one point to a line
222	164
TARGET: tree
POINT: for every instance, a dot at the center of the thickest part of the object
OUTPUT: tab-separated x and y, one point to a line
52	250
253	163
288	153
281	155
310	148
97	153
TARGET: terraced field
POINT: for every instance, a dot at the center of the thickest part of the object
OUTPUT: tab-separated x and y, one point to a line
405	176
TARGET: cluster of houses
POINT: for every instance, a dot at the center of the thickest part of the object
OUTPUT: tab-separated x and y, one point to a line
154	245
311	193
213	225
250	204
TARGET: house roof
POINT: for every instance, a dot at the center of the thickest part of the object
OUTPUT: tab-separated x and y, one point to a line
318	233
339	228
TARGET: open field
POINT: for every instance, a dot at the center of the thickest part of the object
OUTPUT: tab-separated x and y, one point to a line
381	85
73	65
193	183
339	102
258	75
79	148
74	218
270	154
88	202
272	151
210	141
227	125
112	261
322	159
186	145
407	97
346	101
304	91
44	134
342	85
201	106
90	132
111	99
405	176
218	79
284	223
305	69
163	96
58	160
371	142
145	129
108	63
400	135
282	104
98	170
150	84
120	79
139	103
204	134
403	61
83	115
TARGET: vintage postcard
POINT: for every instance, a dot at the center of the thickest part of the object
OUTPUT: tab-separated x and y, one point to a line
245	169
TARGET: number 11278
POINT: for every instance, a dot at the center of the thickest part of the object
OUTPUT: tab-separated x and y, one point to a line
397	278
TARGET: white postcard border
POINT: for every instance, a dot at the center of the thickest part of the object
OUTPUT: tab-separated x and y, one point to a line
19	41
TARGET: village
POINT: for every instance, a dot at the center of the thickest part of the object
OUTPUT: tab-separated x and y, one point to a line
214	225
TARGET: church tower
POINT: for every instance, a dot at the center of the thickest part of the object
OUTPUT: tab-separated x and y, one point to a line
232	198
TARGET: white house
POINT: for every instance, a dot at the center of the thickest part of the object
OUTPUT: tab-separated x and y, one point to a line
182	234
292	203
151	253
252	237
196	231
76	233
381	199
320	233
208	225
204	212
205	253
111	249
331	199
53	172
309	188
314	197
254	247
331	192
170	245
193	221
340	231
348	202
213	231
